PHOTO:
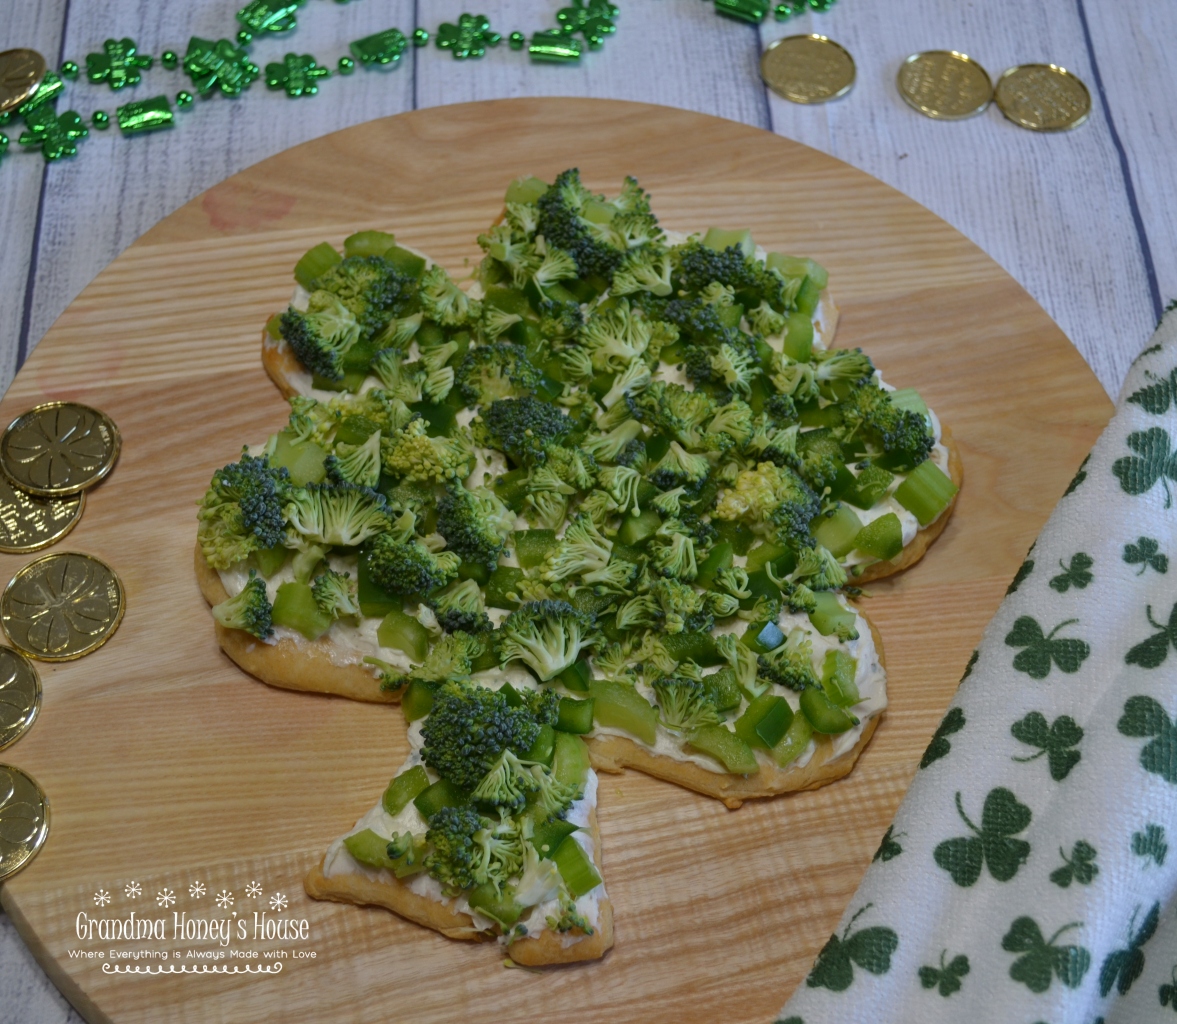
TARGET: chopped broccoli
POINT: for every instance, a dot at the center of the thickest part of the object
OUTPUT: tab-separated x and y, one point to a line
793	378
335	594
408	567
248	610
371	288
499	370
622	483
736	369
356	463
698	265
468	728
383	409
632	379
609	447
320	337
645	269
615	337
741	659
452	858
242	511
444	302
684	704
507	784
495	322
734	581
498	853
517	256
771	494
673	410
521	427
818	569
402	381
575	466
547	636
734	419
582	549
791	664
570	919
559	321
669	605
777	445
555	266
562	224
869	412
449	658
766	320
475	524
842	364
616	578
552	797
460	608
413	454
342	514
673	551
679	468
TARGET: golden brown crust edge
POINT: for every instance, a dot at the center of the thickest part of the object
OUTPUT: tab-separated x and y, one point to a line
613	753
290	664
544	950
280	364
923	540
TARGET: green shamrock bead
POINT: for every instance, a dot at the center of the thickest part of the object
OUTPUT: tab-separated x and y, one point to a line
100	119
346	65
821	5
145	116
3	142
782	12
219	65
470	37
69	70
120	64
420	37
5	117
297	74
170	59
516	40
244	37
382	48
54	134
184	99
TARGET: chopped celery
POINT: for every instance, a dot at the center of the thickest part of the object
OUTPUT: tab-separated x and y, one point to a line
442	793
475	571
406	262
726	747
270	560
576	716
723	690
544	747
808	296
404	633
375	601
417	701
548	835
729	316
926	492
526	190
881	538
502	582
368	243
639	529
718	238
405	787
793	742
837	530
274	326
763	637
764	721
837	678
372	850
532	546
764	553
304	459
795	266
314	263
500	907
576	676
575	867
295	608
798	343
511	488
738	535
618	705
719	558
824	715
829	616
697	647
759	586
909	400
440	420
570	764
354	430
869	486
486	659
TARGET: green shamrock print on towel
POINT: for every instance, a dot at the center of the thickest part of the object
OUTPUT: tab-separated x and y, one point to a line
1055	741
1041	650
947	976
952	722
1150	844
1152	652
1079	477
1077	575
1002	818
1024	570
1146	552
888	848
1123	966
1154	460
1157	396
1079	867
1167	993
1041	959
870	949
1143	716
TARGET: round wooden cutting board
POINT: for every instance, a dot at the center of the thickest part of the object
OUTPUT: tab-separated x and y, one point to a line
169	770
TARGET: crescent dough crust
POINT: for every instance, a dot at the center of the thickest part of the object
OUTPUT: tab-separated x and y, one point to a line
542	950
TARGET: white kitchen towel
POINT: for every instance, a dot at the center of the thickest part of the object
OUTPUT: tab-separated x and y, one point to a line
1030	874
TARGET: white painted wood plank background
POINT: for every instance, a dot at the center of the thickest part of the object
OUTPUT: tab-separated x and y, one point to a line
1085	220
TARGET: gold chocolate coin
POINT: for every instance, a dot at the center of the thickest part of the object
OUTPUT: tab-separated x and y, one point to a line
29	522
944	85
62	606
20	696
24	820
59	448
21	72
807	69
1043	97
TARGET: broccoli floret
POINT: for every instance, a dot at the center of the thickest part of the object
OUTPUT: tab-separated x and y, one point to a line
444	302
582	549
562	224
696	320
576	467
741	659
453	856
449	658
522	427
500	370
403	381
734	420
320	337
382	409
342	514
869	412
356	463
792	378
242	511
413	454
475	524
622	483
645	269
335	594
248	610
697	266
673	410
498	853
616	578
559	321
516	255
673	551
679	468
507	784
495	322
408	567
781	409
547	636
774	495
684	704
791	664
632	379
615	337
460	608
777	445
555	266
736	369
818	569
570	919
468	728
842	364
668	605
766	320
609	447
371	288
552	797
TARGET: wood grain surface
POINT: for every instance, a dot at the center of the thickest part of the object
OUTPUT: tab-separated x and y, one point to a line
166	765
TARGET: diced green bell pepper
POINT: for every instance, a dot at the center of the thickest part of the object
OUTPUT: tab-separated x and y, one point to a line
824	715
544	747
532	546
720	239
737	534
576	716
404	633
726	747
869	486
417	700
576	677
793	742
372	850
764	721
502	582
548	835
926	492
315	262
829	615
405	787
270	560
697	647
570	763
636	530
295	608
442	793
881	538
368	243
722	689
718	559
837	678
526	190
500	907
408	263
575	867
618	705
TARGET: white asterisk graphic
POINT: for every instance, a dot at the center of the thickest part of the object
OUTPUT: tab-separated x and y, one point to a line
253	890
278	902
165	897
196	890
134	890
224	898
101	898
